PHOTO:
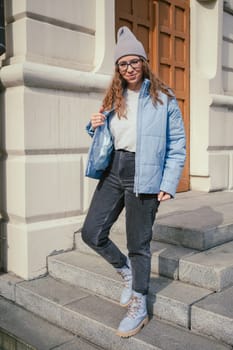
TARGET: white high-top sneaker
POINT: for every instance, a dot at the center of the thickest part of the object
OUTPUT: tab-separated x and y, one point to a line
126	274
136	318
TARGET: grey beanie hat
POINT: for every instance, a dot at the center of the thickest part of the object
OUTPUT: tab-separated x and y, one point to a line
127	44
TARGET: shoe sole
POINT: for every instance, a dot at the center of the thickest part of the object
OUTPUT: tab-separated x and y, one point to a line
125	305
133	331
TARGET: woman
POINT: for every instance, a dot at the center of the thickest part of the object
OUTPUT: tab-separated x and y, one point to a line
146	128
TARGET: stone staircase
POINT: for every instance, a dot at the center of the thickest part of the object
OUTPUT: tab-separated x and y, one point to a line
191	293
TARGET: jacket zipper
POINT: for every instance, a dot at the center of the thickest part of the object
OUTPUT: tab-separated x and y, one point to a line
138	145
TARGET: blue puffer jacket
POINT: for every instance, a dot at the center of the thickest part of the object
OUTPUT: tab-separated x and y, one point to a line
160	148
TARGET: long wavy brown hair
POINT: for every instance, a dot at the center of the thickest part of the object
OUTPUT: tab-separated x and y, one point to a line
114	97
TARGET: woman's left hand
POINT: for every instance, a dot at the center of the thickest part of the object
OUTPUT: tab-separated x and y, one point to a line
163	196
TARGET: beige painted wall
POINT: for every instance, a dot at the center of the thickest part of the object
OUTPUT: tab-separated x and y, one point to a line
56	69
211	126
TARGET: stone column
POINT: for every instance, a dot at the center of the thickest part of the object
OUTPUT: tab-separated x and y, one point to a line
58	63
211	104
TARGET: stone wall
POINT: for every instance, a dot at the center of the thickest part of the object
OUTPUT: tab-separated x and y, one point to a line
221	114
55	71
2	178
211	100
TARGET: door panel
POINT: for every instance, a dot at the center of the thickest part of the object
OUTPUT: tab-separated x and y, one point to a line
138	16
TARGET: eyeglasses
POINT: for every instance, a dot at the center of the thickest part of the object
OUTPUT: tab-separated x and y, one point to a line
134	63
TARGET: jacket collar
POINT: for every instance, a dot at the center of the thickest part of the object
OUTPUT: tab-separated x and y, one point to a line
144	91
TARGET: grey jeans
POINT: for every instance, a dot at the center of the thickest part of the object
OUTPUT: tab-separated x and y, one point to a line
114	192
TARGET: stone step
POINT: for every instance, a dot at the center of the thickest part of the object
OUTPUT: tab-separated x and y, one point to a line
165	257
20	326
96	319
168	299
214	316
198	222
212	269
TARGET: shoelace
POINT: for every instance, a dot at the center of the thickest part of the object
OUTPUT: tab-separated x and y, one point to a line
134	307
126	277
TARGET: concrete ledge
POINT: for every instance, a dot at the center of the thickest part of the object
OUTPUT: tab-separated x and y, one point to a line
212	269
8	282
221	100
196	221
51	77
214	316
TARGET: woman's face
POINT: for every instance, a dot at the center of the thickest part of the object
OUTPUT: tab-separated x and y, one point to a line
130	68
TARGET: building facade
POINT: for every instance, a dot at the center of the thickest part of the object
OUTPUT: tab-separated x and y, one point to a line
57	65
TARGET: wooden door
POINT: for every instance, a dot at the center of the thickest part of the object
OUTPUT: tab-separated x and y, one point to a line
138	16
163	28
